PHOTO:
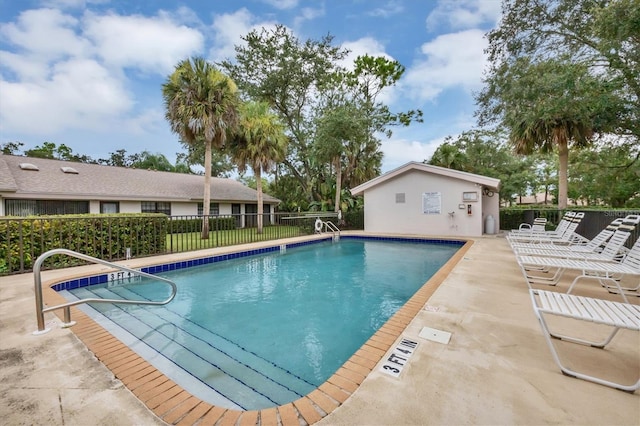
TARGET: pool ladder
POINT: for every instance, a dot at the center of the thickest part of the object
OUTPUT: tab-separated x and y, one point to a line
40	310
326	226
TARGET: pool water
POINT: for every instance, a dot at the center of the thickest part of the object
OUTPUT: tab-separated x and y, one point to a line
265	330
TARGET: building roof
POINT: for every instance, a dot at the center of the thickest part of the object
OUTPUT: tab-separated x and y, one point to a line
83	181
535	199
488	182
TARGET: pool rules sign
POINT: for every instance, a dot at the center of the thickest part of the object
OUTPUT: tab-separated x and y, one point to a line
399	357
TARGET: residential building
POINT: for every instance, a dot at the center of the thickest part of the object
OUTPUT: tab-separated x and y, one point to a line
418	198
36	186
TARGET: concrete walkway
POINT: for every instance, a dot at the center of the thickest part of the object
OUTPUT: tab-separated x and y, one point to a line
496	369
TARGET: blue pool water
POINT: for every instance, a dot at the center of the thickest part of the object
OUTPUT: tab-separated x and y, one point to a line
265	330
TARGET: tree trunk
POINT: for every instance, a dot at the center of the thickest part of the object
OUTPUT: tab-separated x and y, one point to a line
258	172
338	183
207	191
563	164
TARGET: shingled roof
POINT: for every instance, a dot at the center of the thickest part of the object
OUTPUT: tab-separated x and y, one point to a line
92	181
491	183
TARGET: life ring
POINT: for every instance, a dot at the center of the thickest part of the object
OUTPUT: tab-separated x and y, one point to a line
318	225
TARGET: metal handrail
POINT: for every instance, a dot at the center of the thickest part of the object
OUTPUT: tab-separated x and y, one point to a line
327	226
40	310
331	226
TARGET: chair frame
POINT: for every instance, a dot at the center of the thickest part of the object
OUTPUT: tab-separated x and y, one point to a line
614	314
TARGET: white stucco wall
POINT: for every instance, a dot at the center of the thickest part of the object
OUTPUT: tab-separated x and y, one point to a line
383	214
184	209
130	207
225	208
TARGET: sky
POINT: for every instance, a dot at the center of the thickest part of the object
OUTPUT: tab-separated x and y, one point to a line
88	73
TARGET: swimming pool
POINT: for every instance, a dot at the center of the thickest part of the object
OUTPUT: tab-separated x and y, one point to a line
329	297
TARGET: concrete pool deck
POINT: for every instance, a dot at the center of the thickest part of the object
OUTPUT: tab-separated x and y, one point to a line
496	369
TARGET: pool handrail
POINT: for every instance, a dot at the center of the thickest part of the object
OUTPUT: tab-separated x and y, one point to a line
40	310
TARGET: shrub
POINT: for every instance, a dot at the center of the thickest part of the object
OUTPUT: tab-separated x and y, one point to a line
23	240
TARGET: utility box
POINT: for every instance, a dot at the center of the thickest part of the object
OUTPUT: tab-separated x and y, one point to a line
489	225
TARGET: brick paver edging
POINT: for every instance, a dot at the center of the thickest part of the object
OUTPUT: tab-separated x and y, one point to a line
174	405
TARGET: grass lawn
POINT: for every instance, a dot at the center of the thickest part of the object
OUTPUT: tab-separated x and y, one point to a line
193	241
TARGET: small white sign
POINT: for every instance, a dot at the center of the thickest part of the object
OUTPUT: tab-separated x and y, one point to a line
120	275
122	278
435	335
398	358
431	202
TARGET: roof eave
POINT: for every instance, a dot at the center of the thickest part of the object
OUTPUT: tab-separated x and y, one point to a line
489	182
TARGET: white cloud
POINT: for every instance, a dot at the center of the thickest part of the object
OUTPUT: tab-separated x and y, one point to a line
46	34
151	44
79	94
363	46
24	67
71	4
229	29
307	14
282	4
372	47
450	60
65	73
398	152
392	7
464	14
148	120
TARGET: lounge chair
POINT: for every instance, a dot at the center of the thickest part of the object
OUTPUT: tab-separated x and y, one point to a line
593	245
614	314
539	225
613	251
525	229
608	274
566	235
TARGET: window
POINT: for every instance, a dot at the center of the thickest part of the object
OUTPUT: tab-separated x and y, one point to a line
109	207
400	197
156	207
214	209
45	207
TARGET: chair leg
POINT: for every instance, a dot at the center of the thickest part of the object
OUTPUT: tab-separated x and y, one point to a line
569	372
601	279
536	279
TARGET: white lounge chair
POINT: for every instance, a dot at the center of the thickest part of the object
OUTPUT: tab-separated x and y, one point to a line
614	314
594	245
608	274
535	229
613	251
566	236
539	225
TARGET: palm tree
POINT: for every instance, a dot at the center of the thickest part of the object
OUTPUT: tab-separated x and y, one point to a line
449	156
338	127
554	106
532	136
201	105
259	143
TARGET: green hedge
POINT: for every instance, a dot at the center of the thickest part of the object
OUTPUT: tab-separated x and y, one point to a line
353	219
180	226
512	217
23	240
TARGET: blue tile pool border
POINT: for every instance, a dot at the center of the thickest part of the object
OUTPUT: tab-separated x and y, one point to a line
103	278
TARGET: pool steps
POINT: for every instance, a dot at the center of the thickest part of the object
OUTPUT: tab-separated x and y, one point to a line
174	405
275	386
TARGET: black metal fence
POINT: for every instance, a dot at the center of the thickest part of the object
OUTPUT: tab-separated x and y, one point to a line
593	222
22	240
